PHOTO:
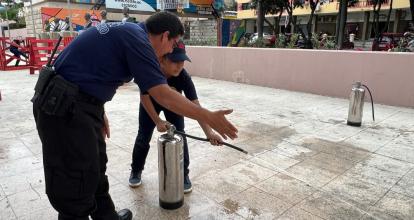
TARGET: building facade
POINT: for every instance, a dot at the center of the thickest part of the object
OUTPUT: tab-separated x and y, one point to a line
359	22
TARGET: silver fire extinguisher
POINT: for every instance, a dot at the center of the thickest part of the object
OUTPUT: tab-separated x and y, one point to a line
171	170
356	104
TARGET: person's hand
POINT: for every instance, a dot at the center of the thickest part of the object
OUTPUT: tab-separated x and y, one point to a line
162	126
105	130
217	121
214	138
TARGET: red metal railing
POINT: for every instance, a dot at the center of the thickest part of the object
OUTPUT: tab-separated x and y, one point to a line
38	51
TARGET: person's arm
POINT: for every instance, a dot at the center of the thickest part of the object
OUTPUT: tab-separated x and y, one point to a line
191	94
175	102
210	134
143	64
149	108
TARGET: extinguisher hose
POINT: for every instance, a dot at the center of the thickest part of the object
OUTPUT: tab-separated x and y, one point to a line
372	101
207	140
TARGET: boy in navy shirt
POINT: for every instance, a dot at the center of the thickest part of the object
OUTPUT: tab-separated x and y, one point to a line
172	65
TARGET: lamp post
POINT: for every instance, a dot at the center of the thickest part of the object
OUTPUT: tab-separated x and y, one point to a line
4	8
33	22
70	16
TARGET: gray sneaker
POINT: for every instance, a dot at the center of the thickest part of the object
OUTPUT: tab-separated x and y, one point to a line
135	179
187	185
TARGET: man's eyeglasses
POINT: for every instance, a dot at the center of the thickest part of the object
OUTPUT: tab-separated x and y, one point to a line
175	44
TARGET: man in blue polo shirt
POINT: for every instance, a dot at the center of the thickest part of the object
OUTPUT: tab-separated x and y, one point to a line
70	118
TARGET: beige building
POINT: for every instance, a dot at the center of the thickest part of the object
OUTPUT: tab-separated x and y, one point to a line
360	17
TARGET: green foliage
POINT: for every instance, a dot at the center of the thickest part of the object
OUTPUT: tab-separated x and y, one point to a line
292	43
12	11
281	41
284	41
275	6
201	42
270	6
17	25
12	14
315	41
330	45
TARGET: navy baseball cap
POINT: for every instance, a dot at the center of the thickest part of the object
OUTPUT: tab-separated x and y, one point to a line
178	54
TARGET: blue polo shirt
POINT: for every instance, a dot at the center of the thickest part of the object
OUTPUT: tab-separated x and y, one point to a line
181	83
104	57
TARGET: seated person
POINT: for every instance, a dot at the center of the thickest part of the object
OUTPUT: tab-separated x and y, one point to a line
14	49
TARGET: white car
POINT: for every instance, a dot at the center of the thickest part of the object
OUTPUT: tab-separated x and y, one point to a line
268	38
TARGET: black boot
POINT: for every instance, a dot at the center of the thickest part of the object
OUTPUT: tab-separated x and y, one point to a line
125	214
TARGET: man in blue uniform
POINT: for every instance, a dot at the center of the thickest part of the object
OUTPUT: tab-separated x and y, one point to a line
70	117
172	65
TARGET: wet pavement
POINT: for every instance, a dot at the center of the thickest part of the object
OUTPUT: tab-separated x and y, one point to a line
304	161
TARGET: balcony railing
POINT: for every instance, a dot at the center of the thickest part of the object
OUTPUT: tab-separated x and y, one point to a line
364	4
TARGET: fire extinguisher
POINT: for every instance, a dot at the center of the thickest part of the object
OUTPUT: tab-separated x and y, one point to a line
356	104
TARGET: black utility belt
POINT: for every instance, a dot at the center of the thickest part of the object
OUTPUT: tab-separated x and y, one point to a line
56	96
86	98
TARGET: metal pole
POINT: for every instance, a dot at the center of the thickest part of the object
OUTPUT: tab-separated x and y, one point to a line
70	16
7	18
33	22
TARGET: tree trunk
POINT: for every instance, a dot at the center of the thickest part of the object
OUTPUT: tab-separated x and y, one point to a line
290	22
260	20
289	10
387	26
338	23
412	10
377	9
308	39
277	25
294	20
342	23
270	24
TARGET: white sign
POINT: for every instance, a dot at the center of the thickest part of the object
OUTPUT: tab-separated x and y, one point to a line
172	4
202	10
136	5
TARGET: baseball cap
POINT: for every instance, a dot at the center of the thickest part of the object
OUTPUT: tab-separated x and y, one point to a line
178	53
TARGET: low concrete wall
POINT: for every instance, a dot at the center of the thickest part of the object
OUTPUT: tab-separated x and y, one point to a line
15	33
390	76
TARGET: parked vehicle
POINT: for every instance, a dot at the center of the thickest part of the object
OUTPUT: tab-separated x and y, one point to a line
269	39
387	42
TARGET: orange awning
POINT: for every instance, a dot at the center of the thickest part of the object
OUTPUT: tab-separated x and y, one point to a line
201	2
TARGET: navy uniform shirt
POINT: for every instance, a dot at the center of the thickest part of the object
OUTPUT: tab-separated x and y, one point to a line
182	83
104	57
